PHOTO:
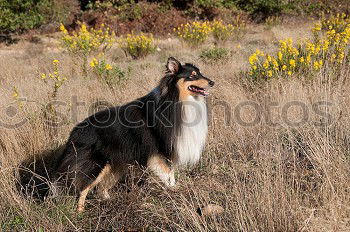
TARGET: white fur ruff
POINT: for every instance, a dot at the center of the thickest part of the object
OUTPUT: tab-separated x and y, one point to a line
191	141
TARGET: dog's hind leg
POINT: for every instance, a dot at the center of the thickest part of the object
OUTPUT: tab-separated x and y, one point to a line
108	181
82	196
160	167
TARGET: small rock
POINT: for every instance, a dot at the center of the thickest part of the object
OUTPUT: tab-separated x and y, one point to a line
210	210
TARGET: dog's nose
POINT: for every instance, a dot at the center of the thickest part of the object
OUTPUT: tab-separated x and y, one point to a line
211	83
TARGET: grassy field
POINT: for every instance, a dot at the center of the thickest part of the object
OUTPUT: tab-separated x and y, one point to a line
271	161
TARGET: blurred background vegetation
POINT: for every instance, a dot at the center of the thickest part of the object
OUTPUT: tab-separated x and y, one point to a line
155	16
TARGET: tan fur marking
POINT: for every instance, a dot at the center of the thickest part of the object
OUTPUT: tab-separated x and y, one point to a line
183	87
158	161
85	192
107	182
159	167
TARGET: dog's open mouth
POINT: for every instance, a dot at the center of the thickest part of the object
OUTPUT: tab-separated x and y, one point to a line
199	90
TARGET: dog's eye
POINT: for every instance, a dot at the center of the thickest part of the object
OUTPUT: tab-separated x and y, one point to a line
193	74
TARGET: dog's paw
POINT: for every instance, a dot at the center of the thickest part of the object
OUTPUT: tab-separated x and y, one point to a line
172	181
103	194
80	209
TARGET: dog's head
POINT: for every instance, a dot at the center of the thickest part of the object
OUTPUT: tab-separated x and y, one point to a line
189	79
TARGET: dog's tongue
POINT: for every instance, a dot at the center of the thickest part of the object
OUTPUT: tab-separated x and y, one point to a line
204	92
201	91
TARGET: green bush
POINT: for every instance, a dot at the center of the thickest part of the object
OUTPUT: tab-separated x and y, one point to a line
204	9
20	15
127	10
215	54
264	8
137	45
62	11
208	3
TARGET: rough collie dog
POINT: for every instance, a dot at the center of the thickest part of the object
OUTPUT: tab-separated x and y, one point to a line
165	129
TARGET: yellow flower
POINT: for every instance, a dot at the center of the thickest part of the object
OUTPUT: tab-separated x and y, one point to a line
43	76
266	64
284	67
269	58
108	67
289	73
283	45
280	55
259	53
15	93
55	61
253	58
302	60
292	63
308	59
269	73
317	27
92	64
275	63
62	28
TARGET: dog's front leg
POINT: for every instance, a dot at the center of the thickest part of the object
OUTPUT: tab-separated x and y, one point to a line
159	166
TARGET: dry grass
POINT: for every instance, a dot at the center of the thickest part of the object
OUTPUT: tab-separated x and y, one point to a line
267	178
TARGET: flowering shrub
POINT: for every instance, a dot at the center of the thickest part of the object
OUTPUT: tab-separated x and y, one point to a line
330	45
16	97
222	32
194	33
137	46
111	74
336	31
337	23
55	78
86	41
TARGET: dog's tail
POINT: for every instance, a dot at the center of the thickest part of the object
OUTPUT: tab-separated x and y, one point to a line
36	174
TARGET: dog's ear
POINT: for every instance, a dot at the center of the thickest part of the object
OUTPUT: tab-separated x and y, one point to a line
173	65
